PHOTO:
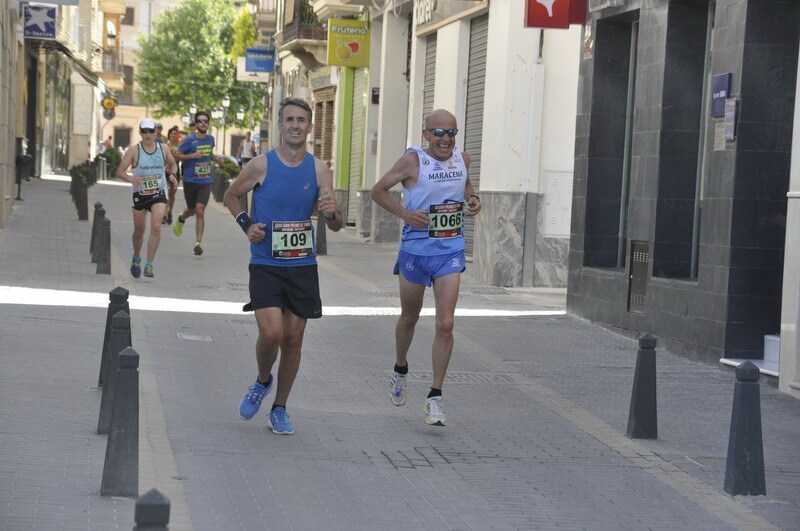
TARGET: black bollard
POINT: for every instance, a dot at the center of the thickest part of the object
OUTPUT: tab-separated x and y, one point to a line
118	340
99	213
117	301
151	512
82	199
322	239
643	416
744	470
104	247
121	467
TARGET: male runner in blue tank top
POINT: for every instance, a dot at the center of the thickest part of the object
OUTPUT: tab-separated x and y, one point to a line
284	283
151	163
196	153
436	195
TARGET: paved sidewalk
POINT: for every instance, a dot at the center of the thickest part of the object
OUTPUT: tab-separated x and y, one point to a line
536	401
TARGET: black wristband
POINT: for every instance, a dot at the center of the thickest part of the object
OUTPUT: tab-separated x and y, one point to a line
244	221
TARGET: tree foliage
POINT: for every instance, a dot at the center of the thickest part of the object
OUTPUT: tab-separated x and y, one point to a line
244	34
187	59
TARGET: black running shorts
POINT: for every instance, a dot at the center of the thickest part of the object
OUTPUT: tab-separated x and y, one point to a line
295	288
146	202
195	193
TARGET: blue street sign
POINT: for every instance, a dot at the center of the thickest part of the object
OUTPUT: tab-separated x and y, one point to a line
259	60
40	22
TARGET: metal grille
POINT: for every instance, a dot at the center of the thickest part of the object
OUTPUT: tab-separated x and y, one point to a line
323	123
429	84
637	290
356	144
473	125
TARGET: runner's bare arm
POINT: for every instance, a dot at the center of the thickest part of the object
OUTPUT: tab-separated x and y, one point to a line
406	171
124	164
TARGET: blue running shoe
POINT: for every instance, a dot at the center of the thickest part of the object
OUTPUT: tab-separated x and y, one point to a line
136	268
252	400
279	421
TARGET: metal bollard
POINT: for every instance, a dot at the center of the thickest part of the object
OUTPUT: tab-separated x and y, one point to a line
117	301
121	467
744	470
643	415
104	247
322	239
82	199
99	213
119	339
151	512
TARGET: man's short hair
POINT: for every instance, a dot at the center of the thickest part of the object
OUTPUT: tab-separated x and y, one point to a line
297	102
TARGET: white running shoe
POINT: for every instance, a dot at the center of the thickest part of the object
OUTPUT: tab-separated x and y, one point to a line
433	410
398	391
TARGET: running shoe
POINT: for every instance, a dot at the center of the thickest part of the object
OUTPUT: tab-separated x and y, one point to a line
398	391
197	249
169	218
148	270
434	412
279	421
136	268
178	228
252	400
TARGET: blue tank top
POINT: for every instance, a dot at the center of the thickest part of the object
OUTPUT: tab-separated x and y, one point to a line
440	191
284	203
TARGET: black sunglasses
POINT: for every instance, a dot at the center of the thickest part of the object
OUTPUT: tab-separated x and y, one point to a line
147	131
438	131
202	121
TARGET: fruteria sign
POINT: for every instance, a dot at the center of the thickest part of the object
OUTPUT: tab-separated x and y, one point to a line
348	43
554	13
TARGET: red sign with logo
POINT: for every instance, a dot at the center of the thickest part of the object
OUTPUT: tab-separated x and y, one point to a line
554	13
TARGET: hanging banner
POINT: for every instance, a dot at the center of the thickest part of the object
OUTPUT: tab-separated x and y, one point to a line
348	43
554	13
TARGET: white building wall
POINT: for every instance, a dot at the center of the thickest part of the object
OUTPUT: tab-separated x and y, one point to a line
394	108
513	94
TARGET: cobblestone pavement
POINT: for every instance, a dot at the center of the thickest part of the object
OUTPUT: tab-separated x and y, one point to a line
537	401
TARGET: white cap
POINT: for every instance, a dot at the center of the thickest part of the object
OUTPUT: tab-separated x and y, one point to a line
147	123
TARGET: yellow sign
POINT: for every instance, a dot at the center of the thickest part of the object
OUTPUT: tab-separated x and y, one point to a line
348	43
109	103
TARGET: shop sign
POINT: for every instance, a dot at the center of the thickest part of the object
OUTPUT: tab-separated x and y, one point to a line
40	22
259	60
348	43
554	13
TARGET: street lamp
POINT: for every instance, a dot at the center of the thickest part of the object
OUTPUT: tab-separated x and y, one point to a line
192	109
186	119
226	102
240	114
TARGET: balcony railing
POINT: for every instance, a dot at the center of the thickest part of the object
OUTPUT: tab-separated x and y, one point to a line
301	31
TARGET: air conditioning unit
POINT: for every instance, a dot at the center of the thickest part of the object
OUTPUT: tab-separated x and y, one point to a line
597	5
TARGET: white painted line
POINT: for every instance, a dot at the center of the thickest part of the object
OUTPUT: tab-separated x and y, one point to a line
82	299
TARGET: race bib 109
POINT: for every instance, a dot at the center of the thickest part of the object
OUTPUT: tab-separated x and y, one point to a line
292	239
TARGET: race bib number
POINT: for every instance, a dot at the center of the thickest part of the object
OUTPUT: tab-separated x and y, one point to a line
202	171
444	220
291	239
151	184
